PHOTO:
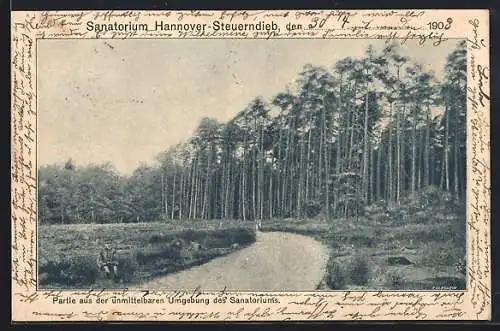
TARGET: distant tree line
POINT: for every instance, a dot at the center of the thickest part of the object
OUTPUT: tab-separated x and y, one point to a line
369	129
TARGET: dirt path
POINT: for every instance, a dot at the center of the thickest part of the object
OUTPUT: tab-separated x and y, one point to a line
275	262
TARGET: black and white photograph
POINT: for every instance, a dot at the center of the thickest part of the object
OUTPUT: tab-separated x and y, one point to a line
252	165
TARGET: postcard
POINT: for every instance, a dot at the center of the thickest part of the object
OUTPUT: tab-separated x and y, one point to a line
244	165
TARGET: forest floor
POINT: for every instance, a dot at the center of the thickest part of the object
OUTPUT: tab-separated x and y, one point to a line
275	262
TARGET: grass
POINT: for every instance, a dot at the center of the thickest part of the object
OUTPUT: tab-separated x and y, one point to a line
428	231
431	239
68	253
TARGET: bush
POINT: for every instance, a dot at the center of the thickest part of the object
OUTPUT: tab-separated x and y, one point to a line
158	238
362	240
442	253
55	272
78	270
335	275
312	208
225	238
218	241
359	270
186	254
426	206
170	251
394	280
127	267
83	270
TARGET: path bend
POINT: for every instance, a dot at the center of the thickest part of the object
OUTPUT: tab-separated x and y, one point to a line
277	261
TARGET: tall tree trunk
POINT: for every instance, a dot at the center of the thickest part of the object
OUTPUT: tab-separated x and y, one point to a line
414	152
456	134
173	194
403	184
232	188
92	210
279	172
378	191
164	194
420	166
243	187
432	161
228	185
398	156
204	191
244	174
192	188
254	209
286	191
306	195
340	151
300	185
198	187
326	167
364	175
270	192
427	144
446	150
261	173
442	172
371	182
182	199
390	181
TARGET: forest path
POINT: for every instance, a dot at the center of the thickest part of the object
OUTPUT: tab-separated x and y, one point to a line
277	261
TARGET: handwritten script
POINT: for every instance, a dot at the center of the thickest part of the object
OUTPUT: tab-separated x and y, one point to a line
335	24
479	199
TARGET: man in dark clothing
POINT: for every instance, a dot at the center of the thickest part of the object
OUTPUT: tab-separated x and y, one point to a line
107	262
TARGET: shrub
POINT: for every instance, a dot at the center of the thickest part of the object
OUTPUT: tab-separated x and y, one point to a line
461	265
335	275
170	251
442	253
394	280
225	238
243	236
193	235
359	270
83	270
55	272
158	238
312	208
426	206
362	240
186	254
127	267
218	241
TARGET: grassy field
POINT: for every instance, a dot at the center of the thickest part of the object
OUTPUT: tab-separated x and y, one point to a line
68	253
412	246
408	247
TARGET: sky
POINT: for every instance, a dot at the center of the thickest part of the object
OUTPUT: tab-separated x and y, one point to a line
125	101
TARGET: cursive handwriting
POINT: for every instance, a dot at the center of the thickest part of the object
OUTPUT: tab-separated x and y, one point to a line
476	43
478	263
326	24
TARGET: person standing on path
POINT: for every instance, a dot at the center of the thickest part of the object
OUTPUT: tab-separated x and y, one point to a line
258	225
